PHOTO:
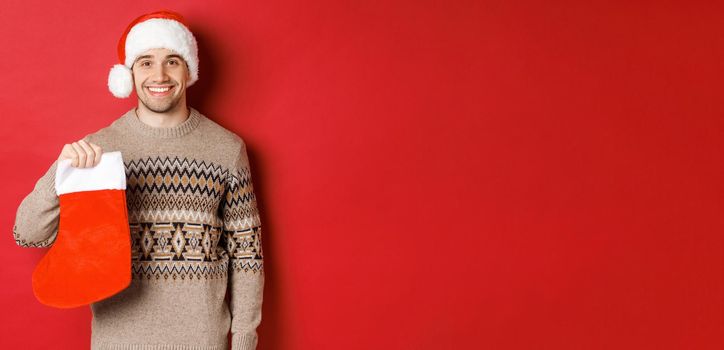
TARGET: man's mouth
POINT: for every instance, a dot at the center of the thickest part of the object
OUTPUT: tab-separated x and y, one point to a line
159	91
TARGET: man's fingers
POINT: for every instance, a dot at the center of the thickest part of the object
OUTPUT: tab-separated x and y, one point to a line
90	154
84	154
81	154
70	153
98	151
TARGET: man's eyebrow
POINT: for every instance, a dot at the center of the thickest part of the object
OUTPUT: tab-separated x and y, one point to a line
173	55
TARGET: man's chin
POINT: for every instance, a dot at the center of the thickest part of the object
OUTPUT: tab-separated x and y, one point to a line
159	108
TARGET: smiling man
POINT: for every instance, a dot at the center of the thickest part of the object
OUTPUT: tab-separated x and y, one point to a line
160	78
195	231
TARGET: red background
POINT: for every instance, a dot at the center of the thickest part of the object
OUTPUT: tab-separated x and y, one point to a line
432	174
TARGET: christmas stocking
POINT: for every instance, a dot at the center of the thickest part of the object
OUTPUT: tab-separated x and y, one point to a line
90	259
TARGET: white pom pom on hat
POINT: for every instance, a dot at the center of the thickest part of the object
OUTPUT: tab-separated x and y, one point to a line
160	29
120	81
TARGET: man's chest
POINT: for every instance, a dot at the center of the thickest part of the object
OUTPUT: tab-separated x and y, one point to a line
168	184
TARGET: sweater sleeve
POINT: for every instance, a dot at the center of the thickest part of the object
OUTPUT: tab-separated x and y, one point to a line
241	238
36	220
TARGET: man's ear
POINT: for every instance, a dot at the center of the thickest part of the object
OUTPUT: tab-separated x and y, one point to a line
133	80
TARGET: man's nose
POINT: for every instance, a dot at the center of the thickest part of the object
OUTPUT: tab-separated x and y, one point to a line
159	73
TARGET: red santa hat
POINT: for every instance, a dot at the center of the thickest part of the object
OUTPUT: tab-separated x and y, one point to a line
160	29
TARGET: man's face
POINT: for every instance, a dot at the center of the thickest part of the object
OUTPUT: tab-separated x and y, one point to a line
164	71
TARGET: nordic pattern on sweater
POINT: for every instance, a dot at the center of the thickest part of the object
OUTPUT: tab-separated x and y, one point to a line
171	202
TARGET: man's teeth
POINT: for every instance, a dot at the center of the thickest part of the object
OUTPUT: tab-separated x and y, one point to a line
159	89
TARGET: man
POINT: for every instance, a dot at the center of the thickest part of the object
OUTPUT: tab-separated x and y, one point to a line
195	227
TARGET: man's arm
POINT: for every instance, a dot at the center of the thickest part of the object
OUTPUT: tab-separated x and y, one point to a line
242	240
36	220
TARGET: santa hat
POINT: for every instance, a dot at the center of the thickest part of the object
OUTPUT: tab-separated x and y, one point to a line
160	29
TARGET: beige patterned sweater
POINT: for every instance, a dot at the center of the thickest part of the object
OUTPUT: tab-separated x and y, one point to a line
197	261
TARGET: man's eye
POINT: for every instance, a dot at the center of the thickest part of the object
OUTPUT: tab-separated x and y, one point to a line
173	61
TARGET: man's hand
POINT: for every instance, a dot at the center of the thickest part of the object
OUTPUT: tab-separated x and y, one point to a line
84	154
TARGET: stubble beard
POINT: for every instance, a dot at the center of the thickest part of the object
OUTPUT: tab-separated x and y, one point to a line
160	106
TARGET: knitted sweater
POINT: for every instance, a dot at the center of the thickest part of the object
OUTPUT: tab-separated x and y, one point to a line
195	232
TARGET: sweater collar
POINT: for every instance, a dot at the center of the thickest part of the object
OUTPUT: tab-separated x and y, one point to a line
182	129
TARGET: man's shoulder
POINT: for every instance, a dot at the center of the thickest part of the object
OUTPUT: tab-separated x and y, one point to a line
105	135
221	135
226	143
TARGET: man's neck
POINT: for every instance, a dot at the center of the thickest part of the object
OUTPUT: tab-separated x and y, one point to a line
163	120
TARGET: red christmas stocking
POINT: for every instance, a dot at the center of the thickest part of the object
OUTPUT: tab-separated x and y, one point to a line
90	259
